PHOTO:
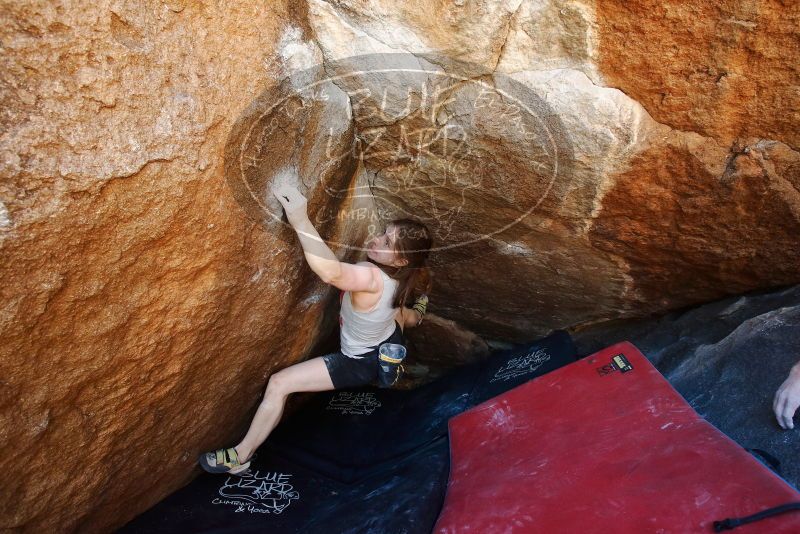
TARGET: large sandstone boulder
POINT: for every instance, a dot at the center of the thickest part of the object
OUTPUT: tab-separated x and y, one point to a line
577	162
558	198
142	310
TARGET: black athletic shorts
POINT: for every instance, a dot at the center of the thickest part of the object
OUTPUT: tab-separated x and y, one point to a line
361	370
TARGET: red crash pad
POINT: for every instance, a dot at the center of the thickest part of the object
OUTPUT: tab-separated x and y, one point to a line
591	447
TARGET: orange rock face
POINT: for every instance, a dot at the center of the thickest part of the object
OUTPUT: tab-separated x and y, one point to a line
725	70
691	228
142	310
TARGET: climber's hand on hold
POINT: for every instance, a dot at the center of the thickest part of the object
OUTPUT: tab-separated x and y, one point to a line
420	306
787	398
294	203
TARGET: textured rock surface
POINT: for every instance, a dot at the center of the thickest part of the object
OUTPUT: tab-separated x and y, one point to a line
643	216
725	70
437	346
142	311
727	359
643	157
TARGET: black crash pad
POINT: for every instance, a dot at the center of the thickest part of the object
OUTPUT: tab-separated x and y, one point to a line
356	460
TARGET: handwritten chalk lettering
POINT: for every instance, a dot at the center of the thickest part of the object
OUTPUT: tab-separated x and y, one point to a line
413	144
252	160
487	99
270	493
315	92
324	215
438	104
417	128
370	143
522	365
332	156
386	115
292	106
362	106
350	403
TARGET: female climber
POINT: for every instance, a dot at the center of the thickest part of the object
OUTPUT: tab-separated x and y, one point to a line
372	297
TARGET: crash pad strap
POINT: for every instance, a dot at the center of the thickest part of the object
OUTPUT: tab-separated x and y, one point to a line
733	522
773	462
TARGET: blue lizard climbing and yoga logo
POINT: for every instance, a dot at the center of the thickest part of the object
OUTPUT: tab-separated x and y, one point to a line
522	365
392	136
256	493
353	403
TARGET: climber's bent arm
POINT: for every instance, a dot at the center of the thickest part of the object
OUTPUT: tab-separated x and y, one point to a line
407	317
345	276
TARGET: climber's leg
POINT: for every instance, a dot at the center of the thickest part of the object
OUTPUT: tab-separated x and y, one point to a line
310	375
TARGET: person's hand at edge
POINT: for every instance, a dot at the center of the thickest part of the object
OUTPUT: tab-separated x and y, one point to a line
787	399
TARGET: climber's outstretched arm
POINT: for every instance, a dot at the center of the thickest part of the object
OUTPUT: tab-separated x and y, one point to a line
319	256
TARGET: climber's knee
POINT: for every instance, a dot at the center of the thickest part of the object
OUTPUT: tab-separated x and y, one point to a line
278	385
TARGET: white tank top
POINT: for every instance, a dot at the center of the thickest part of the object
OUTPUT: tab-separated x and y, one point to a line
360	331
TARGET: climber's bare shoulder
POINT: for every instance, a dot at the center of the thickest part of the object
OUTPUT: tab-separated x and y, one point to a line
365	301
361	277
